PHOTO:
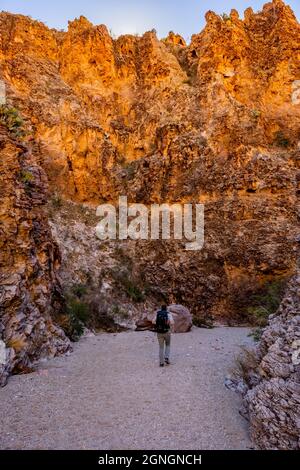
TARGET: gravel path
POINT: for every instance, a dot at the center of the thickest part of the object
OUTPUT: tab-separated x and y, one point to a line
111	394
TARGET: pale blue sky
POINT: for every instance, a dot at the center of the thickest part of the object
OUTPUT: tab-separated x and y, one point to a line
133	16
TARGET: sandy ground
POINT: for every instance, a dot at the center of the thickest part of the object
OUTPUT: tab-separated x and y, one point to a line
111	394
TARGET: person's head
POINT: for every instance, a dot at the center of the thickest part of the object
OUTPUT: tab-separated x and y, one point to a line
164	307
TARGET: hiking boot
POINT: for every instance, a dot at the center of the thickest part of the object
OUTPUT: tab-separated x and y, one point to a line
167	361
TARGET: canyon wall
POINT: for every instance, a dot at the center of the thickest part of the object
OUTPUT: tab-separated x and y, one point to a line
29	289
215	122
273	399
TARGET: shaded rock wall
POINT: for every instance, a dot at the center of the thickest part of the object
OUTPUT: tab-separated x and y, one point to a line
273	402
29	289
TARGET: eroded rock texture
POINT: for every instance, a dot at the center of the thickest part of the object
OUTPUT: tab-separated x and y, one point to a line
273	403
216	122
29	289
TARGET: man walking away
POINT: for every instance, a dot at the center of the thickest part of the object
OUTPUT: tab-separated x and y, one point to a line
163	323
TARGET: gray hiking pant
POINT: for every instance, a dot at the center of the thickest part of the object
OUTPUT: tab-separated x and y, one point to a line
164	341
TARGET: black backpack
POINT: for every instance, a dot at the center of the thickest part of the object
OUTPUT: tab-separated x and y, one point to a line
162	321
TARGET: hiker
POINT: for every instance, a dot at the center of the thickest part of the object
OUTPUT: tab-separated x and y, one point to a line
163	322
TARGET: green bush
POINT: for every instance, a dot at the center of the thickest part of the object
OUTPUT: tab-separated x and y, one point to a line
57	201
188	81
260	315
27	177
281	140
134	292
255	113
77	316
129	284
256	334
77	312
265	302
225	17
10	118
79	290
118	311
201	322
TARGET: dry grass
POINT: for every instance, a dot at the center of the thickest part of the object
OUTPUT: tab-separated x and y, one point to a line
17	342
245	363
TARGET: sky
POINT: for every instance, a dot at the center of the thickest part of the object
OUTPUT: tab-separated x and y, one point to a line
185	17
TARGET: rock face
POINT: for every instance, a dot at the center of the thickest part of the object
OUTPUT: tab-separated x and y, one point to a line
29	289
273	400
215	122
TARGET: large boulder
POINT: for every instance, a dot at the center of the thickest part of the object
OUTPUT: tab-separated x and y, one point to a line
183	320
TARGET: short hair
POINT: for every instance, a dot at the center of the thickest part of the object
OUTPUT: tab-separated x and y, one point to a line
164	307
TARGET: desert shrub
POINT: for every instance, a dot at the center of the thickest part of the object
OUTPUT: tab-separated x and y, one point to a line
77	312
121	160
246	363
129	284
188	81
56	201
85	307
255	113
134	292
259	315
85	214
118	311
121	254
26	177
281	140
202	322
17	342
265	302
77	315
79	290
102	315
132	288
11	119
256	333
198	322
225	17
